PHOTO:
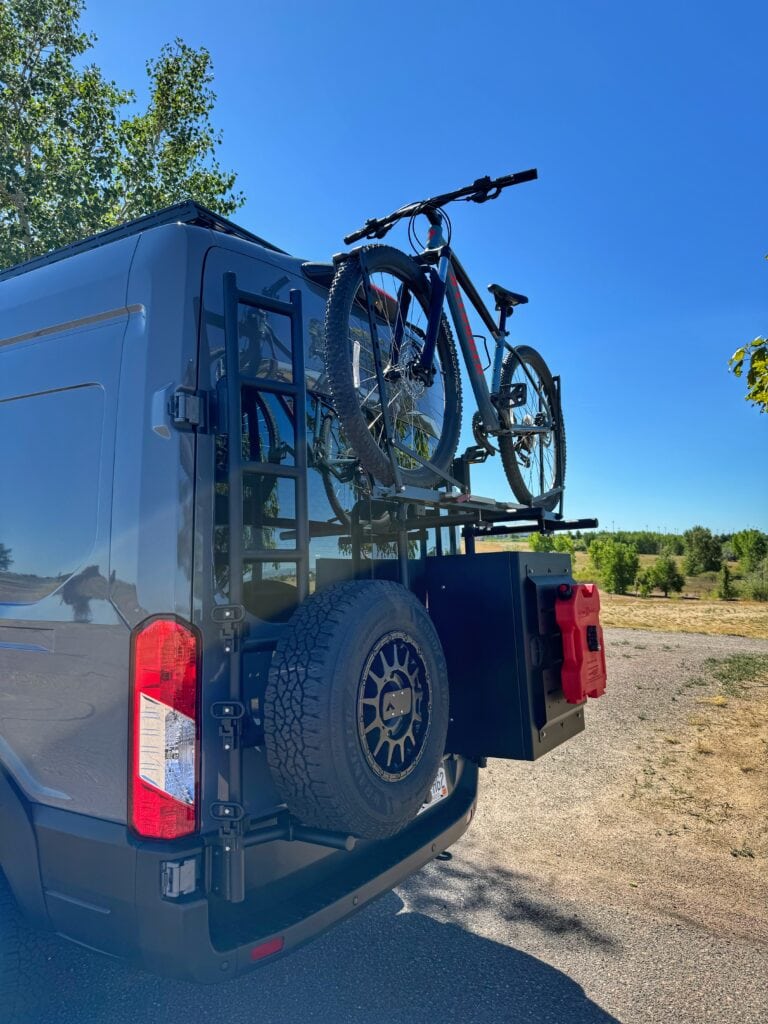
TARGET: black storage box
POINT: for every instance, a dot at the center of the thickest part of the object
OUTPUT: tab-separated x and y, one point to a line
495	614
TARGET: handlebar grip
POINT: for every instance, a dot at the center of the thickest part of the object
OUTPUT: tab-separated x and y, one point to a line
371	229
518	178
355	236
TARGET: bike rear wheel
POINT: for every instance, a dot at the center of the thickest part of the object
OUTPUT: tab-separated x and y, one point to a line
426	419
533	462
346	482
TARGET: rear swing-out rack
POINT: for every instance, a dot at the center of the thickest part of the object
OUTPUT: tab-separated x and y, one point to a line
412	513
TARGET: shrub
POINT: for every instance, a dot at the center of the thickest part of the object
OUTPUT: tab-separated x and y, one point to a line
725	588
755	586
614	563
750	547
665	575
644	583
702	551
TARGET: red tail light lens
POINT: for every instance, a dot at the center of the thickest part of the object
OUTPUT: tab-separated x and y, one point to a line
164	765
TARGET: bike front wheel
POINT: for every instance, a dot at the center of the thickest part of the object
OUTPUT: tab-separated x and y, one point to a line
533	449
425	417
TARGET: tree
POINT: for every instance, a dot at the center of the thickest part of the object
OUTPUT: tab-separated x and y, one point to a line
5	558
725	588
614	563
750	547
565	544
755	585
702	551
546	542
73	159
644	583
756	354
541	542
664	574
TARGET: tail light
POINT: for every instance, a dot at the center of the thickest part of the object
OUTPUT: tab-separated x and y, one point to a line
164	756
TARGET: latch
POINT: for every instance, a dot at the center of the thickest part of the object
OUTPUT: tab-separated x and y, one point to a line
229	714
231	618
178	877
188	409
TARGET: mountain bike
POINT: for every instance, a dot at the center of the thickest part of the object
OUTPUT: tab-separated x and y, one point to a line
393	369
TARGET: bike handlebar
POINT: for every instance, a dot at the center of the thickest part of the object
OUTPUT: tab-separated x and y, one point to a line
479	191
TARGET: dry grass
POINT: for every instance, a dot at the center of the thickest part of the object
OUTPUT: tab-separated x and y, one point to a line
676	615
712	781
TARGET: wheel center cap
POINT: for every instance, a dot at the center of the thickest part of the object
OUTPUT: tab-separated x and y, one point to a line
396	703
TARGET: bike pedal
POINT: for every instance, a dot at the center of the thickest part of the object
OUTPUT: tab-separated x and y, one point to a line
512	397
475	453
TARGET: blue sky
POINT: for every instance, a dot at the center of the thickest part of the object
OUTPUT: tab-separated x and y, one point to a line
641	246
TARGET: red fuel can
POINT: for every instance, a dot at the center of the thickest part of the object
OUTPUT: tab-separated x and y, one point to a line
577	610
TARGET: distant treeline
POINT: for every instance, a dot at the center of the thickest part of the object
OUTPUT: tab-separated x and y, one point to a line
614	559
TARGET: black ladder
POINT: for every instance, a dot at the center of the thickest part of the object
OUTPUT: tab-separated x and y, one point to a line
230	813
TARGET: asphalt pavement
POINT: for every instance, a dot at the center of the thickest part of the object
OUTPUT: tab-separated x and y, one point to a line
492	933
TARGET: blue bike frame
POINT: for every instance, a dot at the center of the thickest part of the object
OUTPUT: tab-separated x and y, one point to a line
448	278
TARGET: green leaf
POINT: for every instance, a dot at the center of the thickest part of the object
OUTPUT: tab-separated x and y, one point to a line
75	154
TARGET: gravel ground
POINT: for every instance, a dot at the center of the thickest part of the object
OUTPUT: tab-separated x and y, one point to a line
564	903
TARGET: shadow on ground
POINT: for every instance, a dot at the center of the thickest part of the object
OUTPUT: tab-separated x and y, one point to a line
400	960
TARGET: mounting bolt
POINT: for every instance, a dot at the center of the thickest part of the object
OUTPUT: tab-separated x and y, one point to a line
227	746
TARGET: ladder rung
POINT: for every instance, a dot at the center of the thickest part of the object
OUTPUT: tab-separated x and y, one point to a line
273	555
271	468
278	387
266	302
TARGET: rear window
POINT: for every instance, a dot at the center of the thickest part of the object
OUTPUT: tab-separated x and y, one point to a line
49	475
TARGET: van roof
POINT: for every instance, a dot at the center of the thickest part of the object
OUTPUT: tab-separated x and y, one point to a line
187	212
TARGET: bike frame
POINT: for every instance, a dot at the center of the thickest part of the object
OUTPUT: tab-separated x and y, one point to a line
448	280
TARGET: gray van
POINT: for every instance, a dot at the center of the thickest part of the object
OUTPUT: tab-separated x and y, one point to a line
241	694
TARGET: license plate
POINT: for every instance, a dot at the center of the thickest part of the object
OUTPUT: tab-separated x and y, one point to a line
438	791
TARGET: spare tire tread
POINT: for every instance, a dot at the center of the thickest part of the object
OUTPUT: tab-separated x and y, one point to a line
298	723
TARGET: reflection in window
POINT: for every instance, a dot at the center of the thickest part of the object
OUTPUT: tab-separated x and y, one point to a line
49	467
265	343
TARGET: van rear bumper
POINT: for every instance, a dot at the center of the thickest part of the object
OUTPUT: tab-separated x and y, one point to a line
102	889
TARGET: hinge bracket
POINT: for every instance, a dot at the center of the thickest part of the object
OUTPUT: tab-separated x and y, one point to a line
189	409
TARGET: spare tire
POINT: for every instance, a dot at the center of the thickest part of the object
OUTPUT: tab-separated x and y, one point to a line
356	709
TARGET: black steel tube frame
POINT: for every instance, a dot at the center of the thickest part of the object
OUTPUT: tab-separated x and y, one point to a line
231	837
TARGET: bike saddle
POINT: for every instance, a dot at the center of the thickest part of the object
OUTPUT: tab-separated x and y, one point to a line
505	298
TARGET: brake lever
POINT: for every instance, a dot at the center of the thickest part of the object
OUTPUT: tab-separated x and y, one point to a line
483	197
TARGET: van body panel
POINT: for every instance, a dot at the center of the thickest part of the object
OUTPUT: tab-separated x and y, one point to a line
97	514
62	692
154	482
111	512
89	285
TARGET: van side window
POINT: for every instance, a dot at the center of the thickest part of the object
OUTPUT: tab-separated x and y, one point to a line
49	474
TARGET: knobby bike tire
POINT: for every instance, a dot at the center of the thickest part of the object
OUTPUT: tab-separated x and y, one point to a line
339	368
508	442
